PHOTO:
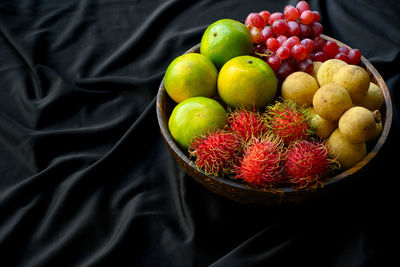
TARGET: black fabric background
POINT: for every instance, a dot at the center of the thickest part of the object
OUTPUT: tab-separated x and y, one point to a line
86	179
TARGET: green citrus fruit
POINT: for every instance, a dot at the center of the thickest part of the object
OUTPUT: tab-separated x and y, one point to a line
246	82
226	39
190	75
193	117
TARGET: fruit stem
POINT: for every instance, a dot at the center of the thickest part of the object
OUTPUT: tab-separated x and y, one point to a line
377	116
262	54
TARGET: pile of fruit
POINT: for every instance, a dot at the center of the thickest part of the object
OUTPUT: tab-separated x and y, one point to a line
269	148
269	103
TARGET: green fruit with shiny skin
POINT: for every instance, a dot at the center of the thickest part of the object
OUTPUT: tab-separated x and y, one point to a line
193	117
191	75
247	82
224	40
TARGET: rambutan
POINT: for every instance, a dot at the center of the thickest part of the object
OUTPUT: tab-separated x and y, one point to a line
261	162
215	152
306	162
288	121
246	124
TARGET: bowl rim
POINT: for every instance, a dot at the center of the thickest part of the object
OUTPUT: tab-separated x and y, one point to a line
371	154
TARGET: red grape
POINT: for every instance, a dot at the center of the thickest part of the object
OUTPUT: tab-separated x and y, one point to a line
274	62
256	35
331	49
293	28
266	33
280	26
343	49
260	48
317	16
283	52
281	39
305	65
291	41
273	44
309	44
320	56
302	6
305	30
307	17
318	43
287	67
258	21
254	20
342	57
249	23
298	52
316	28
265	15
354	56
291	13
275	16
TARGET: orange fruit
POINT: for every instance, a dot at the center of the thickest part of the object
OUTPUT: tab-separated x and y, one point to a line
224	40
190	75
246	82
194	117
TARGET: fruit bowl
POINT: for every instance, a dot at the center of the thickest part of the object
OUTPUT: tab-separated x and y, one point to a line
243	193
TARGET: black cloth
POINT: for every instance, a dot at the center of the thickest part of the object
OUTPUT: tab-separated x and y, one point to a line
87	180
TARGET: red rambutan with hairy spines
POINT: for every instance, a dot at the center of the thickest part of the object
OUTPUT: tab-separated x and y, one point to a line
215	152
261	162
288	121
306	162
246	124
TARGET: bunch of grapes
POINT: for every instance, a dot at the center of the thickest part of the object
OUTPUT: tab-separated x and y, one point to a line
291	41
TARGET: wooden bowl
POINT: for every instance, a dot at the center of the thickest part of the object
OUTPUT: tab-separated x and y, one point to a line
246	194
